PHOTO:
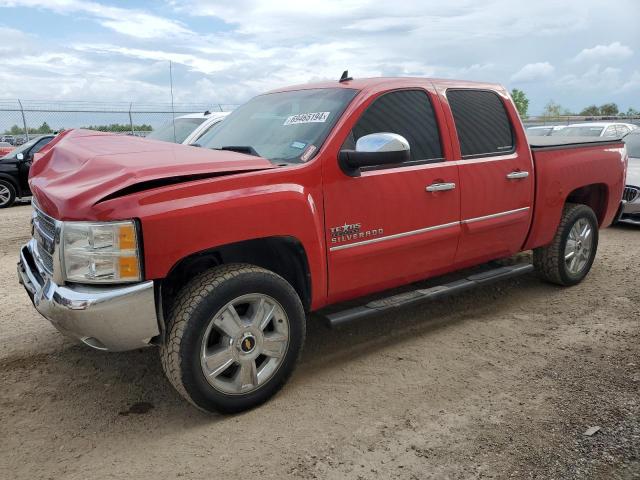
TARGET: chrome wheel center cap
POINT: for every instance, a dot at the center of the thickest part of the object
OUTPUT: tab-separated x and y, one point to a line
247	343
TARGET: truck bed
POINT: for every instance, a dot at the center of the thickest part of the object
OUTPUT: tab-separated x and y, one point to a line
557	142
563	166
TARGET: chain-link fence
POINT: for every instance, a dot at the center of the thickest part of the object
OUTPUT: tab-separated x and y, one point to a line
24	119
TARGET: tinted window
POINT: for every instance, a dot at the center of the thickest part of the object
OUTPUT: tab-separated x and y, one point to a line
408	113
38	146
481	122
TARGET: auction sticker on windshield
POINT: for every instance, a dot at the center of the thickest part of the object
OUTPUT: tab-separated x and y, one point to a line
316	117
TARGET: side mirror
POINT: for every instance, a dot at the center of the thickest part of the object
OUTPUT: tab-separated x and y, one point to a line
20	156
374	150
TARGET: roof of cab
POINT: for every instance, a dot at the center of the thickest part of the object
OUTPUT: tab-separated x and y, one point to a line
378	83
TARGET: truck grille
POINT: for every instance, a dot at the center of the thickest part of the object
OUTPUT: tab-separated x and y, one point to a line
631	194
44	232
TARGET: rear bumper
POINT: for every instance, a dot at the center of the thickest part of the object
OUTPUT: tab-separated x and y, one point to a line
113	318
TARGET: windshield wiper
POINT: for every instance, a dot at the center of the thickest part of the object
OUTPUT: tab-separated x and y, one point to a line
248	149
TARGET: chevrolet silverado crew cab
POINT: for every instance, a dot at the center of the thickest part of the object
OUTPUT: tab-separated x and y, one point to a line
304	198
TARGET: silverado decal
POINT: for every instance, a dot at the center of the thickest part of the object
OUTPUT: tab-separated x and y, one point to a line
352	231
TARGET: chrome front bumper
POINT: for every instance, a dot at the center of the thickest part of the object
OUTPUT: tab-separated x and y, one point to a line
113	318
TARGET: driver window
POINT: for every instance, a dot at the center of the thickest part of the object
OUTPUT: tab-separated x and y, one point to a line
408	113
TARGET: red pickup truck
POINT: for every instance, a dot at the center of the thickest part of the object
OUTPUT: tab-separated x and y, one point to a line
304	198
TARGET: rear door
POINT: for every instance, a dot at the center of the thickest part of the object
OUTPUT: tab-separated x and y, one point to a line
496	175
384	227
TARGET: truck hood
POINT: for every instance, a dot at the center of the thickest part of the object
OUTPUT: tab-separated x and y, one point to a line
81	168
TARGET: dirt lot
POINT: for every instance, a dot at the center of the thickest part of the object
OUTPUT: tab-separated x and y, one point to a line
498	383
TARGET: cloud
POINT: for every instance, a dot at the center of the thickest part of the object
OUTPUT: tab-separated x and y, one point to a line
14	42
195	62
533	72
604	53
596	78
226	52
130	22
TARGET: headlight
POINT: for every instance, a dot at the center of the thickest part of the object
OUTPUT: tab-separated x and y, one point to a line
101	252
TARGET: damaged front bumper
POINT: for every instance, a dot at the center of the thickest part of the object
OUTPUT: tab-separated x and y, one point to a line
114	318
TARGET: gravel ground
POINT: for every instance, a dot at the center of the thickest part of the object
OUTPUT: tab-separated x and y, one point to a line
502	382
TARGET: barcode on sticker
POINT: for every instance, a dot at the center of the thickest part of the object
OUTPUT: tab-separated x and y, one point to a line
316	117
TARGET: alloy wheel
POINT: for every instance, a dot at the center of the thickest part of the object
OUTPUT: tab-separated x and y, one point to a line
577	251
244	344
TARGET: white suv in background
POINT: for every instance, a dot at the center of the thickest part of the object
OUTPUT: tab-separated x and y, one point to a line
188	128
596	129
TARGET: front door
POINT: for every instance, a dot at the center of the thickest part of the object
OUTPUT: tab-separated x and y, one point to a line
389	226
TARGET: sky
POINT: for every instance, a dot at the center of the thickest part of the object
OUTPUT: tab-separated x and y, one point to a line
574	52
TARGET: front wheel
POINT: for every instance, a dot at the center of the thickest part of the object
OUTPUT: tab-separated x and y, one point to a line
569	257
234	337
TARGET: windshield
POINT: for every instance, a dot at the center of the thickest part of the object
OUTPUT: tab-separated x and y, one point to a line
184	126
286	126
586	131
633	144
538	132
22	148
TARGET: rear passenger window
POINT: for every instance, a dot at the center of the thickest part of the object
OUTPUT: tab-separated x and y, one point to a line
408	113
481	122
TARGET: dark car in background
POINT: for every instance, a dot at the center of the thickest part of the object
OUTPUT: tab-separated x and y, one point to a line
14	170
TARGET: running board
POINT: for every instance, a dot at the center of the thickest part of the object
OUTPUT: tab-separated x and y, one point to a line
420	295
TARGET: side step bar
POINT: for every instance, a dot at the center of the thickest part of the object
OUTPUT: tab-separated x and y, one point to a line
420	295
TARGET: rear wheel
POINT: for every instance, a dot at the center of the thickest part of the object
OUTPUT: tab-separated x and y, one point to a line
7	194
234	337
568	259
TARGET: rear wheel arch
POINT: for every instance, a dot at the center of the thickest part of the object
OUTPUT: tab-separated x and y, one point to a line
282	255
595	196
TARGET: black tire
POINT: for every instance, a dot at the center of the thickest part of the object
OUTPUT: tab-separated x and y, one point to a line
550	261
194	309
8	199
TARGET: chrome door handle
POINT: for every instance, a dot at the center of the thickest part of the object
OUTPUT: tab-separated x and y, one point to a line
440	187
517	175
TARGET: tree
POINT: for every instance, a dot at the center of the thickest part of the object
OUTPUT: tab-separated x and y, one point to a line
44	128
632	112
591	110
120	127
553	109
16	130
609	109
521	101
